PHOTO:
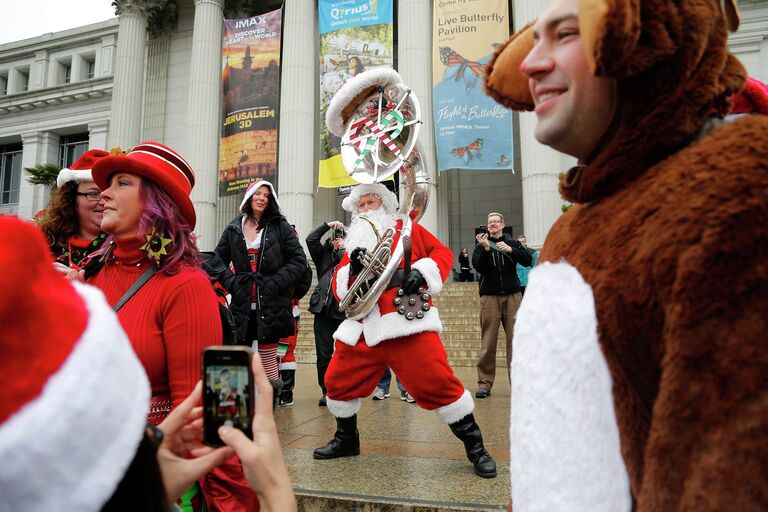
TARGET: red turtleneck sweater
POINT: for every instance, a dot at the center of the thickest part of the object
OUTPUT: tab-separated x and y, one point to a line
169	321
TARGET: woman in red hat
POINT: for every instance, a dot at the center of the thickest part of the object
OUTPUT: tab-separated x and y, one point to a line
174	315
149	218
72	220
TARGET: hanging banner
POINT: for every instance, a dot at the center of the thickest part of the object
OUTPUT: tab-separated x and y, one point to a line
472	131
355	35
250	79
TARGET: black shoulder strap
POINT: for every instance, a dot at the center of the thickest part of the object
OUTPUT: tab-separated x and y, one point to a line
143	278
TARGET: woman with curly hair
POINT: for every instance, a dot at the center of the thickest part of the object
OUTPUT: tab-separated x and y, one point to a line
72	220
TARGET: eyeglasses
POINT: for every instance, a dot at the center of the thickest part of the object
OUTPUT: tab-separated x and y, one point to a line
154	435
90	196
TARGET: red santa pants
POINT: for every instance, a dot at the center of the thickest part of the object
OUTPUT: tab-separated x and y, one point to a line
418	360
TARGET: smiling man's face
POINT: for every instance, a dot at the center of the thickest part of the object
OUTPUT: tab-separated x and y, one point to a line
573	107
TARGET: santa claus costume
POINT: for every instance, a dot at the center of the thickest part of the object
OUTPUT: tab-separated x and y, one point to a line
385	338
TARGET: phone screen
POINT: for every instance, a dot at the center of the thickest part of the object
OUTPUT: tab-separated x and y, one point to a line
228	392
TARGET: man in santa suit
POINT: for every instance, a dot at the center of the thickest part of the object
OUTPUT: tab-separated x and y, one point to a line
385	338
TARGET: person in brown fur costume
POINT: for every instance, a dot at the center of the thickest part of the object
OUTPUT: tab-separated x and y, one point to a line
638	381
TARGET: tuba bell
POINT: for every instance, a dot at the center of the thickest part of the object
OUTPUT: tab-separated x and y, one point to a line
381	119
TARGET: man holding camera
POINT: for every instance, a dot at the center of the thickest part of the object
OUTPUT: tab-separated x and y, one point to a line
323	303
495	258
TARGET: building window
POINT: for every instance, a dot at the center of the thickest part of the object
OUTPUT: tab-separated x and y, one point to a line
3	85
67	73
72	147
10	174
91	67
23	81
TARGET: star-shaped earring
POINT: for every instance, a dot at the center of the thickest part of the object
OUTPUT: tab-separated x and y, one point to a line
156	245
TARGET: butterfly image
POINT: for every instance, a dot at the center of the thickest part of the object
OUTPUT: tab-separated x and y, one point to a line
451	59
502	160
466	151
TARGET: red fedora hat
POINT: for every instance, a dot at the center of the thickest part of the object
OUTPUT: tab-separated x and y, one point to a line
157	163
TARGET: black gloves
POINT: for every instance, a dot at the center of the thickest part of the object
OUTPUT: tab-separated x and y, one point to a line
356	260
413	281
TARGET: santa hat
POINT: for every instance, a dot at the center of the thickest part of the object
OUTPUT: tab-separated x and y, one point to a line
388	197
354	91
751	99
80	170
253	187
158	163
75	395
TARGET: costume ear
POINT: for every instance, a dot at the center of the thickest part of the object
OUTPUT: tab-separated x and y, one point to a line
609	31
503	80
731	13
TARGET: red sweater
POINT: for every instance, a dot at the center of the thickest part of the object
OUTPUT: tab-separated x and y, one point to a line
169	321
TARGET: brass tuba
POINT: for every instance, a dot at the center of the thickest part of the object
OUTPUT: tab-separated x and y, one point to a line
380	139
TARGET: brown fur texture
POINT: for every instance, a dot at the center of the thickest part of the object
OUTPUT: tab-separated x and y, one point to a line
671	232
503	80
678	262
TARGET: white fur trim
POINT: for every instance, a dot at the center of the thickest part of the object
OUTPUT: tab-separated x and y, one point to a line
343	409
452	413
351	89
291	365
349	332
564	440
377	328
78	176
69	448
388	198
342	282
252	190
429	269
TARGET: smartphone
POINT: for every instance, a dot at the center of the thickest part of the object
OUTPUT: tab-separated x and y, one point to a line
228	391
481	229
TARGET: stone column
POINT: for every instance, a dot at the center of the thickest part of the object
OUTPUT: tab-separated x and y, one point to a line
298	97
202	150
97	135
541	164
129	74
38	148
414	63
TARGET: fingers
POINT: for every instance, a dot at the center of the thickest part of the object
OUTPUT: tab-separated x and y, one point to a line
236	440
178	417
201	465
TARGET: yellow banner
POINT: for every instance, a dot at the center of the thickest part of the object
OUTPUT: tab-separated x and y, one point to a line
332	174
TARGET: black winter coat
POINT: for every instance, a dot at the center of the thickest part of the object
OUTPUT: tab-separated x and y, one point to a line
323	301
281	262
498	270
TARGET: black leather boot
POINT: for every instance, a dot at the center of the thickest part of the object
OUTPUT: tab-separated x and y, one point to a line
345	442
289	381
277	387
468	431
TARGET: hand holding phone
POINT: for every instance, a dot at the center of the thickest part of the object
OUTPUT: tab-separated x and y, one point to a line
262	457
228	391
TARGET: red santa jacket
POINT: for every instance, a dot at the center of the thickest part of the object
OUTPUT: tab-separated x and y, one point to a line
432	259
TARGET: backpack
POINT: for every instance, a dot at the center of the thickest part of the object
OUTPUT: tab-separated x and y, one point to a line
303	285
229	333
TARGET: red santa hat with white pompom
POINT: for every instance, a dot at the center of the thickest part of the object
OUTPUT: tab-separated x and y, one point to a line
75	395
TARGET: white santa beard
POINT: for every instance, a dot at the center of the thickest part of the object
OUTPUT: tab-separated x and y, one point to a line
360	233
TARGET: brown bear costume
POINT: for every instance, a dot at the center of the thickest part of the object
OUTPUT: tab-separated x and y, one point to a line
640	373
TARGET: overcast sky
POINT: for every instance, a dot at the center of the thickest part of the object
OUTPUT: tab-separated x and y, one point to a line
21	19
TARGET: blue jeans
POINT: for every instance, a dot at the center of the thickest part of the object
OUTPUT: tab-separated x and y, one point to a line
386	379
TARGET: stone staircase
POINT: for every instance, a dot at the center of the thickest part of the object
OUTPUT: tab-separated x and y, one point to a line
459	307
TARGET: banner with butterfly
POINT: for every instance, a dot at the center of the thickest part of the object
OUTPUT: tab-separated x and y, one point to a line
355	35
472	131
